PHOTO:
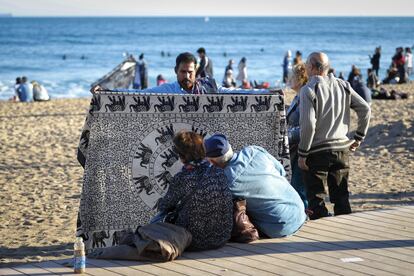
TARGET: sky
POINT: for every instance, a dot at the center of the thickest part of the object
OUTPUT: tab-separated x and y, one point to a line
208	7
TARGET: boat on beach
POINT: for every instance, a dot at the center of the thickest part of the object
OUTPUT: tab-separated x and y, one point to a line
120	77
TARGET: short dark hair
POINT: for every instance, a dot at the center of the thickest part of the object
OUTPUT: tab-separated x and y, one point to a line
185	58
189	146
24	79
201	50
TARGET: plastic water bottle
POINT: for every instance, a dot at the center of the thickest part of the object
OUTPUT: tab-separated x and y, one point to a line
79	259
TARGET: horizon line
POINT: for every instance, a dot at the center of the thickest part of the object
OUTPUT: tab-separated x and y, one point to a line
10	15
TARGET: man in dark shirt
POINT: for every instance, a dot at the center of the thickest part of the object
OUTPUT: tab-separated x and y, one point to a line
375	60
206	65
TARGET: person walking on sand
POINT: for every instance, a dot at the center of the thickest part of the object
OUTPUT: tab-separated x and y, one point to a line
205	69
398	60
408	61
141	74
375	60
242	75
325	104
287	66
298	58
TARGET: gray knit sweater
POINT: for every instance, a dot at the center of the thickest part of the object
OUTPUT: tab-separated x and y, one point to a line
325	104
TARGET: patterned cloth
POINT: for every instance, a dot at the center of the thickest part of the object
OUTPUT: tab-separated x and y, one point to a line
207	211
127	151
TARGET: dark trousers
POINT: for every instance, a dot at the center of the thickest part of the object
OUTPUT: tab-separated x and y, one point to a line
327	169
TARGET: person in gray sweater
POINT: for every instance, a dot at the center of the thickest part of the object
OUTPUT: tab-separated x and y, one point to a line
325	106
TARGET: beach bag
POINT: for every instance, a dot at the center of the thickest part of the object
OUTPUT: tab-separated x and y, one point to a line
243	230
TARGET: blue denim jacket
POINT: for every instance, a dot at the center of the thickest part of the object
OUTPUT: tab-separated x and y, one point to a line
273	205
25	92
293	121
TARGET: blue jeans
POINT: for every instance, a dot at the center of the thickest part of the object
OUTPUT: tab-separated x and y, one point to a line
297	181
159	217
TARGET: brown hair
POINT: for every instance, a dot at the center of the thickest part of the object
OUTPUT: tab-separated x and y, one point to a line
189	146
299	74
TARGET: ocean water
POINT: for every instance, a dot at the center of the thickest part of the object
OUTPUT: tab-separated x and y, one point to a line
34	46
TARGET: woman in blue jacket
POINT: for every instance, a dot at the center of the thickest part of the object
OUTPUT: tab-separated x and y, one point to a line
297	80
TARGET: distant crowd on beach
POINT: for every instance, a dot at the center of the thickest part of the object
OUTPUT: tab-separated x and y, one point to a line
399	71
29	91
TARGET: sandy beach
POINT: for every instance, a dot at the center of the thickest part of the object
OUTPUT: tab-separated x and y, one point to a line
40	178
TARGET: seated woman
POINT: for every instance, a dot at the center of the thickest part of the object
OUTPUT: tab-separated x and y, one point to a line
201	192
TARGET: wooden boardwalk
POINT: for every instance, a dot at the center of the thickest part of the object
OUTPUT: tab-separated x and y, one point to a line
369	243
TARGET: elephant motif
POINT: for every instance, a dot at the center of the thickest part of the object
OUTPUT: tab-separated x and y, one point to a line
262	104
166	134
215	104
191	105
239	104
98	238
145	155
116	104
165	104
140	106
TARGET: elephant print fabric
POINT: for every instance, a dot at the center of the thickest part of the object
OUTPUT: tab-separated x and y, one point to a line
127	152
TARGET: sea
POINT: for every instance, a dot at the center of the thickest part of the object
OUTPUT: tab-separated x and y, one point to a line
67	54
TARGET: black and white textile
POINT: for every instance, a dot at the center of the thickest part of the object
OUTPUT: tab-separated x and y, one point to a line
126	150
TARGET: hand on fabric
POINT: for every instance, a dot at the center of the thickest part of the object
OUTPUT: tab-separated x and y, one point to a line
355	145
302	163
96	88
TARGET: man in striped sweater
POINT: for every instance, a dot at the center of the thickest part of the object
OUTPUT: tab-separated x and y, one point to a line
325	104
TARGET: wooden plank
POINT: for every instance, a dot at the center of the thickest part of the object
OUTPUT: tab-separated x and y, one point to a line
390	223
114	267
205	267
361	232
152	268
328	258
278	265
313	264
399	213
384	226
409	212
409	208
55	268
392	218
227	263
331	237
182	269
356	235
254	260
387	219
335	249
30	269
90	268
9	271
345	220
